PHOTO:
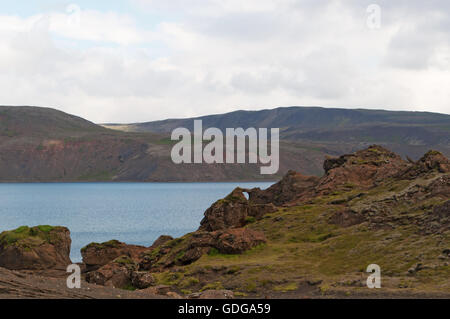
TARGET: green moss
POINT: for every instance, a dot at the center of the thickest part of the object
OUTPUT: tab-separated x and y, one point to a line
213	286
124	260
28	237
129	287
174	242
169	278
213	252
250	220
286	287
45	228
188	282
108	244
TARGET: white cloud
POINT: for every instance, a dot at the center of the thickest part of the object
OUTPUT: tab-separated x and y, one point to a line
216	56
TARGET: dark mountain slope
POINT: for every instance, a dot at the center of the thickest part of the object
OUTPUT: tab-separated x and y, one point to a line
43	144
408	133
300	118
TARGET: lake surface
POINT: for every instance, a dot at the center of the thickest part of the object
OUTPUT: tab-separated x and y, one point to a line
135	213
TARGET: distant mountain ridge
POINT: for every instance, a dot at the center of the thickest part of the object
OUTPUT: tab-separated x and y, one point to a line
46	145
402	131
299	118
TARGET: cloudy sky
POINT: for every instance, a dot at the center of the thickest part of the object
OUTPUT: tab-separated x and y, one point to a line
141	60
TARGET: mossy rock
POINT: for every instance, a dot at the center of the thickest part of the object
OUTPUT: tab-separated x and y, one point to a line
29	236
108	244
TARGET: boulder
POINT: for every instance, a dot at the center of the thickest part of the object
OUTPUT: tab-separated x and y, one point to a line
289	188
233	211
35	248
96	255
237	240
142	279
161	240
228	241
363	169
117	273
184	251
431	161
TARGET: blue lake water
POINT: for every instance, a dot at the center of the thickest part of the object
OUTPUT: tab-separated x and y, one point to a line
135	213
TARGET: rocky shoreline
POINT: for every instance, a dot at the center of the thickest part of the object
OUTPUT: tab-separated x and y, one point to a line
361	196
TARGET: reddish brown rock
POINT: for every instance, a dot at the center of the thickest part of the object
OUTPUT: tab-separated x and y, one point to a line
229	241
291	187
142	279
363	169
431	161
35	248
161	240
233	212
117	273
237	240
96	255
190	249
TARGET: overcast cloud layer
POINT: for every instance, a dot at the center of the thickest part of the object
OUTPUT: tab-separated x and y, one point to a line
142	60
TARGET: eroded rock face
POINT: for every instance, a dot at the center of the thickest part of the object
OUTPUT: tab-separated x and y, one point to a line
161	240
96	255
432	160
188	250
35	248
363	169
118	273
233	212
291	187
237	240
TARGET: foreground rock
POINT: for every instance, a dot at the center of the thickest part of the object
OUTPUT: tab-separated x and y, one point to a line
96	255
291	186
234	211
363	169
21	285
115	274
35	248
188	249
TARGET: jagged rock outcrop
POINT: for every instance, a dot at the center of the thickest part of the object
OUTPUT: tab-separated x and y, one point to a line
233	212
161	240
96	255
229	241
364	169
35	248
117	273
290	187
186	250
432	160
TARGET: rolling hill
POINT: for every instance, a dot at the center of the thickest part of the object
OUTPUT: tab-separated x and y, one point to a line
46	145
408	133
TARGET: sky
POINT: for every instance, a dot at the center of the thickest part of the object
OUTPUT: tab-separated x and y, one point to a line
128	61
